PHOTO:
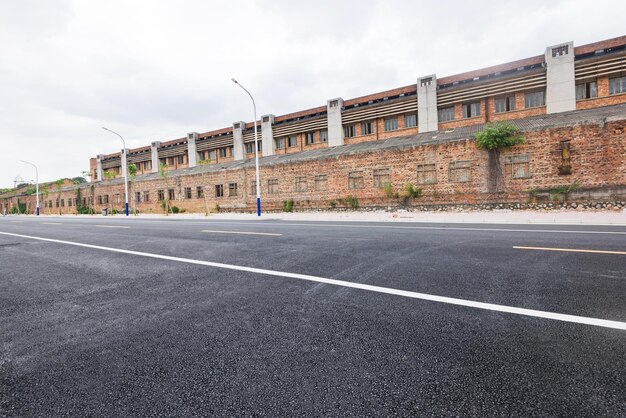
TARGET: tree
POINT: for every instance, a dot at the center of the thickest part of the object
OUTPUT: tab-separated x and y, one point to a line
132	175
494	138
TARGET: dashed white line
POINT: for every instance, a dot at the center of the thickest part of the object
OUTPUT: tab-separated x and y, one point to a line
111	226
52	223
379	289
214	231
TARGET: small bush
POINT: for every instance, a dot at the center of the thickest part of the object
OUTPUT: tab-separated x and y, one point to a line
288	205
115	211
333	204
83	210
217	207
411	192
388	190
352	201
175	209
498	135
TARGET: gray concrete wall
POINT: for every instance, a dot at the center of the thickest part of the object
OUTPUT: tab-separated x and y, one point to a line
561	82
154	154
238	151
267	135
427	103
192	153
335	125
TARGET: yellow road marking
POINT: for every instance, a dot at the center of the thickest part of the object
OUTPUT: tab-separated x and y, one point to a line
570	250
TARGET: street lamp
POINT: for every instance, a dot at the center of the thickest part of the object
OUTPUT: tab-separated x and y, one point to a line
36	182
256	152
123	166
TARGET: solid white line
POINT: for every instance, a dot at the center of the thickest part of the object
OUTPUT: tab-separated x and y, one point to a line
379	289
241	232
52	223
570	250
111	226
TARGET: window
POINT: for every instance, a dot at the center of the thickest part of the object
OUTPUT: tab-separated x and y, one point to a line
187	192
181	159
534	99
382	176
445	114
170	194
292	141
170	161
280	143
617	85
272	186
232	189
163	161
309	138
321	182
223	152
99	200
199	192
62	203
560	50
249	147
367	128
147	165
260	145
146	196
69	202
116	198
505	104
301	185
410	121
459	172
219	190
324	136
391	124
471	110
517	166
586	90
355	180
253	188
348	131
231	151
426	81
161	195
426	173
138	197
106	199
334	103
212	155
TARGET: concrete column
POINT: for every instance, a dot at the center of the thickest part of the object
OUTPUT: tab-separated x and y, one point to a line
427	103
335	126
238	140
99	171
192	154
561	81
154	152
267	135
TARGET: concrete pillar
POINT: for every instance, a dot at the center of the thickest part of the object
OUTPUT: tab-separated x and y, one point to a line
427	103
154	152
238	140
561	81
192	154
267	135
99	171
335	126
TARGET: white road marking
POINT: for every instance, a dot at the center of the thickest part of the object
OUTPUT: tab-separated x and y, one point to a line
570	250
52	223
379	289
241	232
111	226
17	222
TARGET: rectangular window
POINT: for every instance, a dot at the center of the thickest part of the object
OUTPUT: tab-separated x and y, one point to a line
292	141
517	166
445	114
187	192
410	121
471	110
146	196
321	182
199	192
219	190
62	203
231	151
586	90
253	188
309	138
426	174
116	198
355	180
348	131
324	136
367	128
505	104
391	124
58	203
170	161
249	147
272	186
138	197
163	161
223	152
106	199
382	176
459	172
99	200
301	185
170	194
181	159
232	189
534	99
147	165
280	143
69	202
161	195
617	85
212	155
259	147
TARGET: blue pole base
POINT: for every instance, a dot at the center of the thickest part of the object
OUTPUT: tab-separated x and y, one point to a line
258	206
126	209
37	211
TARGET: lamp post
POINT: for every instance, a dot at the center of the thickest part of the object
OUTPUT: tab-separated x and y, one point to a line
124	167
256	152
36	183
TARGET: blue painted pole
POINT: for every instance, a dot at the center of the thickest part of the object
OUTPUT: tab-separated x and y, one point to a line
126	208
258	206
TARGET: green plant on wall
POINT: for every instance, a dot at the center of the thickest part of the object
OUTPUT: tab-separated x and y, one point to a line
410	192
288	205
132	175
59	184
563	192
109	175
494	138
165	203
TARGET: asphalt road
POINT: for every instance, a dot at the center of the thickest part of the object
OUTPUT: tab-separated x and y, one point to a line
132	317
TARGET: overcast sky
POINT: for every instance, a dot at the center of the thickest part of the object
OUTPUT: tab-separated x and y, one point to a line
156	70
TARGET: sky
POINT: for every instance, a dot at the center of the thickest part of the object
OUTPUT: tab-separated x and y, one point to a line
155	70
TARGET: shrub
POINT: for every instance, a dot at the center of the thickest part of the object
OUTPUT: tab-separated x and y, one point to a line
498	135
217	207
352	201
333	204
288	205
175	209
388	190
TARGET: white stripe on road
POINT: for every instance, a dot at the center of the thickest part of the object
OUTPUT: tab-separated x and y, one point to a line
570	250
111	226
52	223
241	232
379	289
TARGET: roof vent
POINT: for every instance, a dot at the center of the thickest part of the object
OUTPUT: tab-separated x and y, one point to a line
237	125
334	103
560	51
426	81
266	119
